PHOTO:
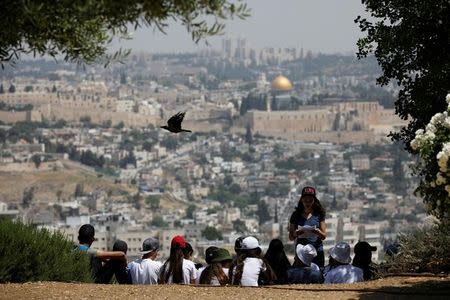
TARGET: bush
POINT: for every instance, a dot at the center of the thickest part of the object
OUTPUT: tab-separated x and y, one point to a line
31	254
424	250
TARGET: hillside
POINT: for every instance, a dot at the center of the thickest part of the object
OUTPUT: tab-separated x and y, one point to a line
388	288
47	183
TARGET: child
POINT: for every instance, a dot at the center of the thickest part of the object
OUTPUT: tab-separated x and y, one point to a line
339	269
305	271
102	273
278	261
177	269
249	266
216	272
146	269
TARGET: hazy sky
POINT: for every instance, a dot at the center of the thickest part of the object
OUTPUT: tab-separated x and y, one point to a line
318	25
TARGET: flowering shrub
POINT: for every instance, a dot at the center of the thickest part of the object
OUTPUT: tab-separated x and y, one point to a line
433	147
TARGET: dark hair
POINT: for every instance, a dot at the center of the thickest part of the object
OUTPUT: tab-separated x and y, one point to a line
120	245
238	265
317	207
86	234
188	250
216	270
276	258
238	244
208	253
175	262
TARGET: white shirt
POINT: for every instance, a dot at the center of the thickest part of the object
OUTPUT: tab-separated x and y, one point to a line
344	274
252	268
189	272
144	271
199	273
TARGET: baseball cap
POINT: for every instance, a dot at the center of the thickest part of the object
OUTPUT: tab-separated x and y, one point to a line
308	190
249	243
238	243
178	241
363	246
149	245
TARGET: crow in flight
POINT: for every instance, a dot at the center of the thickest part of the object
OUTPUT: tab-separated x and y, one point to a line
174	123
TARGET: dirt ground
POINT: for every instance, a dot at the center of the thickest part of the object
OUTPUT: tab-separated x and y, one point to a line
387	288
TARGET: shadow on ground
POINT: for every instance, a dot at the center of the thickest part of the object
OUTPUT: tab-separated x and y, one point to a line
430	289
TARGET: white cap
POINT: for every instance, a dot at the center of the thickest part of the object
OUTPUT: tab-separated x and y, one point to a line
249	243
341	253
306	253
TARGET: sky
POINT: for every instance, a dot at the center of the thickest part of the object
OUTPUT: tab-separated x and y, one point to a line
325	26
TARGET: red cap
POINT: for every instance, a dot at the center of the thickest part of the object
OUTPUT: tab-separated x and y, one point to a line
179	241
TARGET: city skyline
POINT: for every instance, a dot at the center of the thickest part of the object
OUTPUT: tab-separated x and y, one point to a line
333	29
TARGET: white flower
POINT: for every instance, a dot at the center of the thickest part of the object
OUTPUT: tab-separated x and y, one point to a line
447	98
440	180
447	188
430	128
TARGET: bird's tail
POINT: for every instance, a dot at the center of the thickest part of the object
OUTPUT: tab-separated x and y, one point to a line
186	130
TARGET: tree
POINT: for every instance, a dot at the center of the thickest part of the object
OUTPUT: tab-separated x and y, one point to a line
239	226
147	146
2	90
248	135
153	201
79	190
37	160
410	40
212	234
12	88
28	195
263	212
190	211
82	31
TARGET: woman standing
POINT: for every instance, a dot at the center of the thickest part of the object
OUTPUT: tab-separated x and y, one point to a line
307	223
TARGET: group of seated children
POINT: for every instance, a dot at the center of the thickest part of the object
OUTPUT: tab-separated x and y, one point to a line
248	268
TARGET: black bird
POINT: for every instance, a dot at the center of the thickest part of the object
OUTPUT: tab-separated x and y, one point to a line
174	123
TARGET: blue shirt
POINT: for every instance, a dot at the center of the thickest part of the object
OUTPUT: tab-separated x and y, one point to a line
304	275
314	221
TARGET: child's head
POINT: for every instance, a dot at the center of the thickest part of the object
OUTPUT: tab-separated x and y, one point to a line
188	251
209	253
86	234
120	245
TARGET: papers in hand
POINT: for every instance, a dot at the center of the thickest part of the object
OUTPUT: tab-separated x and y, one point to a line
308	231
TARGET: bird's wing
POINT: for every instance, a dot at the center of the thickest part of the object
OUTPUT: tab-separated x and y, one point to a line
175	120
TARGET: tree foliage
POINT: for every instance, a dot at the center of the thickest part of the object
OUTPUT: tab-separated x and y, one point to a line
410	40
81	31
32	254
211	233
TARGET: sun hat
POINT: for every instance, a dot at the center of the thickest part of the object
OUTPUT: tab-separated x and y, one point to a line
341	253
209	253
220	254
178	241
149	245
306	253
363	247
249	243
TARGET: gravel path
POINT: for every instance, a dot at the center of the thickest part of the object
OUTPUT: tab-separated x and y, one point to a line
388	288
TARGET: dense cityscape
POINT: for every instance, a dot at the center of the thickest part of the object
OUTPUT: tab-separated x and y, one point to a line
83	144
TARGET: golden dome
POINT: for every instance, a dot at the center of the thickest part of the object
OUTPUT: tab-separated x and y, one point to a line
281	83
